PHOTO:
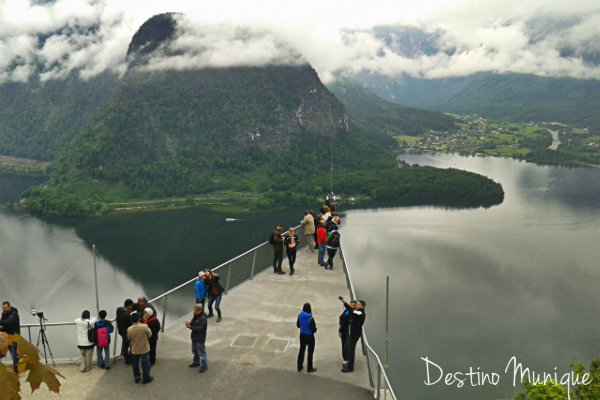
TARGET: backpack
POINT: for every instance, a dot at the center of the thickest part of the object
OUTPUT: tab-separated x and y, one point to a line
103	337
272	238
91	333
334	239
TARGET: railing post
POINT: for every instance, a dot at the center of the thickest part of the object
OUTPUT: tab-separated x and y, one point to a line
162	327
29	331
228	278
378	387
96	279
253	264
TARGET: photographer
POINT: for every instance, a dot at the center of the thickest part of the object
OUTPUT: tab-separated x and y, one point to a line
357	319
10	324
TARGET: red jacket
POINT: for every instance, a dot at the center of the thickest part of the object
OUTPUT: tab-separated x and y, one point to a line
321	235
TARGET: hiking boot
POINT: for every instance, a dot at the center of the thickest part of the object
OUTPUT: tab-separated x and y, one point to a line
203	369
147	380
219	319
311	370
192	365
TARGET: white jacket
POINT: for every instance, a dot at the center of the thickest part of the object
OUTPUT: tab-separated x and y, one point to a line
82	328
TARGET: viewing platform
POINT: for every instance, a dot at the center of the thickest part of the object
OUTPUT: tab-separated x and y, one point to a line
251	353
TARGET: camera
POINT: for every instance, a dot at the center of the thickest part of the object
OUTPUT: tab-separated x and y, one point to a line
37	313
340	297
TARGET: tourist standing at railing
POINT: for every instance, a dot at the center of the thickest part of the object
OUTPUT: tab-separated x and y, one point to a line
291	245
200	288
86	348
103	330
276	240
322	241
344	329
139	336
308	328
316	224
10	324
154	325
333	243
198	326
142	304
215	292
124	322
308	224
357	319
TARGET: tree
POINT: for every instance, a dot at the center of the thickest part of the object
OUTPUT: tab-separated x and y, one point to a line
38	373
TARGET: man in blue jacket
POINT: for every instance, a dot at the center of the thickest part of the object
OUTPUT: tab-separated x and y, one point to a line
201	288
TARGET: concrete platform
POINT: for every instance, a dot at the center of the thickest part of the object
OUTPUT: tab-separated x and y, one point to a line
251	352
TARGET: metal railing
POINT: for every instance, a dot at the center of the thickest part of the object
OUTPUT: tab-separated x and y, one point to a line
243	268
380	383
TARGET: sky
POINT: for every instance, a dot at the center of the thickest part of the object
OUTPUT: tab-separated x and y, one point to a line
423	38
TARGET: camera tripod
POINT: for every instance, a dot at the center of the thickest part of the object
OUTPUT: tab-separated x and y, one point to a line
44	340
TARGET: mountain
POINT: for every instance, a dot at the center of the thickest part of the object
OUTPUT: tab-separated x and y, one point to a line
377	116
184	121
515	97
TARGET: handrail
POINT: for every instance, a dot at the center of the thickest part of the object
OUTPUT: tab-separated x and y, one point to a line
380	367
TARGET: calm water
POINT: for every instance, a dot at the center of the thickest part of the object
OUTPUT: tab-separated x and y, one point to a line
469	288
473	288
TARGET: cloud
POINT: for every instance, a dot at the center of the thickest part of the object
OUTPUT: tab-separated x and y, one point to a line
425	38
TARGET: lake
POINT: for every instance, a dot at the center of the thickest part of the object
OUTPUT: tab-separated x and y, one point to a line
470	289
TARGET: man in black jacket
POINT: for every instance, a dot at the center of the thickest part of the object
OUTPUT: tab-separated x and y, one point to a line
11	324
357	319
198	327
124	322
345	328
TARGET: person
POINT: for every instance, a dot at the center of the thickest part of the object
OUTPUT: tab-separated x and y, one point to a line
326	211
142	304
291	245
357	319
316	224
215	292
154	325
344	327
322	241
103	330
10	323
139	336
308	224
123	322
86	348
308	328
198	335
277	242
333	243
200	288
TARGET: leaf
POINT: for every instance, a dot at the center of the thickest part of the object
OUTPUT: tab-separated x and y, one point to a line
9	382
26	349
4	342
39	373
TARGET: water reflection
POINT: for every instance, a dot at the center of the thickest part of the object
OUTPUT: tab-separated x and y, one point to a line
472	288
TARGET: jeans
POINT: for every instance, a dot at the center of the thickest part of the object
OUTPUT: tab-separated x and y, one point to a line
199	351
291	255
277	260
306	341
322	247
106	360
330	254
145	366
15	357
217	301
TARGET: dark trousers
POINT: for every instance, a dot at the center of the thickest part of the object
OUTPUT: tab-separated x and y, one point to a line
217	301
153	343
306	341
291	255
344	354
135	365
350	350
277	260
125	349
330	255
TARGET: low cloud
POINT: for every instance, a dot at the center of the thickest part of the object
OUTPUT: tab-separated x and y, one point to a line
445	38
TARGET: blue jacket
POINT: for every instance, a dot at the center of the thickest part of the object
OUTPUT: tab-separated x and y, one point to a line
306	323
200	289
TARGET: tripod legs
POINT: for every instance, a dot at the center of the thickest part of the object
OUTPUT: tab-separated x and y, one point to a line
45	344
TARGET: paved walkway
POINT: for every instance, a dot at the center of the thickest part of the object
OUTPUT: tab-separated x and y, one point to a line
251	352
